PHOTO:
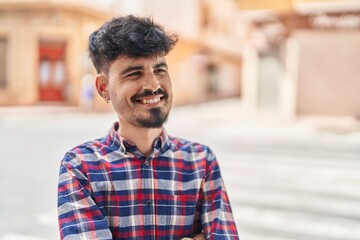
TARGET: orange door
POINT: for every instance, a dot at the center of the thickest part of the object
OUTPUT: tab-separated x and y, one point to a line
52	72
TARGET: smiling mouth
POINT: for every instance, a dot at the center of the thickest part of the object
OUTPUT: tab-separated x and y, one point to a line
150	99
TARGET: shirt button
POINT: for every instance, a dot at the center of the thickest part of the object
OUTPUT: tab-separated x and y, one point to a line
147	163
148	202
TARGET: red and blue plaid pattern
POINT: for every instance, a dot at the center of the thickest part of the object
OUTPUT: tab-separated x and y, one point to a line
109	190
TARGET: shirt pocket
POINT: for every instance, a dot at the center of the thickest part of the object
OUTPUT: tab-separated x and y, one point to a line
181	211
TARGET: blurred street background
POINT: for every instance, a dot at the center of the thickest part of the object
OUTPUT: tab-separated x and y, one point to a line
285	180
273	86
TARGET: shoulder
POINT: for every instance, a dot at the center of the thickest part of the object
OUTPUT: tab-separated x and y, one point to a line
192	147
87	151
185	144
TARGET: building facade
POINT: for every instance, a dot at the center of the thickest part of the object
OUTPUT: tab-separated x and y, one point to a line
43	51
303	58
44	59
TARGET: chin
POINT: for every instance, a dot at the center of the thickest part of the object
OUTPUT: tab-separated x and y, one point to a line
156	120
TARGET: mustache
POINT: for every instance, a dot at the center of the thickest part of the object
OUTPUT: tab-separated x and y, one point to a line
146	93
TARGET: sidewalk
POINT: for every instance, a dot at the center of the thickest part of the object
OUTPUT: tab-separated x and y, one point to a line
227	116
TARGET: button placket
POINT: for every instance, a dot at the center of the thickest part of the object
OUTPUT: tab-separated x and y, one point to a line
149	204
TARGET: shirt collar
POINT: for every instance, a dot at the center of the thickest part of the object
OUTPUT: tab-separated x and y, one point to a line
114	140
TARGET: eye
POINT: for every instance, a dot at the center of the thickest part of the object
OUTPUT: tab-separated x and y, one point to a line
160	70
134	74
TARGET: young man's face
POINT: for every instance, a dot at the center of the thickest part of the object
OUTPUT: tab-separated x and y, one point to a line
140	90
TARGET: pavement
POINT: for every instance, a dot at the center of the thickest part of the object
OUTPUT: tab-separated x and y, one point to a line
286	179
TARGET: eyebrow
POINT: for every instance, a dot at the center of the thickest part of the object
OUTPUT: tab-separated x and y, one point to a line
161	64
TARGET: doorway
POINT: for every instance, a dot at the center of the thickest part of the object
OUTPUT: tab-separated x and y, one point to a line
52	71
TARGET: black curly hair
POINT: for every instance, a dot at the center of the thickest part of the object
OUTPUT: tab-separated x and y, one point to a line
129	36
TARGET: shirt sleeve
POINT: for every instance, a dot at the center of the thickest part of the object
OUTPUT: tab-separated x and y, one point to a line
78	215
216	215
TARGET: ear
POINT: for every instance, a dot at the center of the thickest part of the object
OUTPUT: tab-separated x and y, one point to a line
101	85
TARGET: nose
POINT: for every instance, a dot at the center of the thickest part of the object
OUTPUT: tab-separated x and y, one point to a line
151	83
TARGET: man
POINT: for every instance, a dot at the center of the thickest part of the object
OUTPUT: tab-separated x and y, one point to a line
138	182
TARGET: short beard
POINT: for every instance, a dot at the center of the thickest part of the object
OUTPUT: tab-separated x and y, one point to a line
156	120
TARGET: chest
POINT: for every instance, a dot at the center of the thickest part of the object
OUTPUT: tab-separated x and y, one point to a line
159	196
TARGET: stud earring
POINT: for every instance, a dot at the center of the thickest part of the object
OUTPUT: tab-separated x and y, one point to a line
107	99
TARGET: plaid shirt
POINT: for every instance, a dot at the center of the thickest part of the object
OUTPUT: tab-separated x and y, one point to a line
109	190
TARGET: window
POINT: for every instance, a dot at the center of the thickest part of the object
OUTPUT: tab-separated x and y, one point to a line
3	54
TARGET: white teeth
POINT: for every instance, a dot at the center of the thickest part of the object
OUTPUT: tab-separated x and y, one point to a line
149	101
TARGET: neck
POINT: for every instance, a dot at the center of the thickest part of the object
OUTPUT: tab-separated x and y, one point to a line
143	138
